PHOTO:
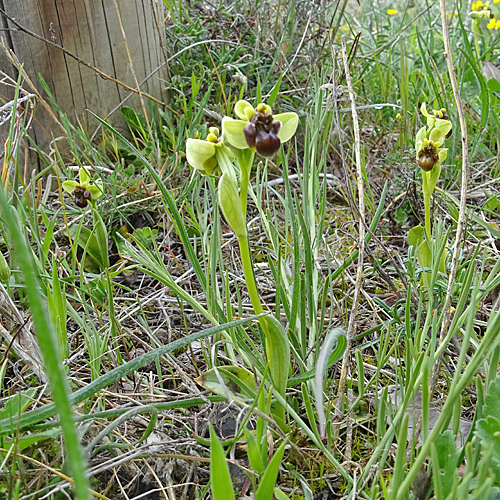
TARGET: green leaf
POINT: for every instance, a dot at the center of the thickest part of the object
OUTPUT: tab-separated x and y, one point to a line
8	425
48	343
334	357
484	96
268	481
331	338
424	254
492	400
229	201
24	442
87	239
101	234
233	382
278	353
17	404
135	121
220	479
430	180
444	465
253	451
280	495
274	92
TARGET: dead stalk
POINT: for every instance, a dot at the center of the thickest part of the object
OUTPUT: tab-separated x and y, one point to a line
463	191
361	235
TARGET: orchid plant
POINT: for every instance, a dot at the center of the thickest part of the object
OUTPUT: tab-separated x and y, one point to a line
231	155
85	194
430	155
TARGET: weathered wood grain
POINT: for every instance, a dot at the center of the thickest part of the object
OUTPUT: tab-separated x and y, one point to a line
98	32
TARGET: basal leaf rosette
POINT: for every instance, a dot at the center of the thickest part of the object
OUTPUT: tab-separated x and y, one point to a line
83	190
258	129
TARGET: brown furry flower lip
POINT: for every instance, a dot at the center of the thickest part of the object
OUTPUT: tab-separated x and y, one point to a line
261	133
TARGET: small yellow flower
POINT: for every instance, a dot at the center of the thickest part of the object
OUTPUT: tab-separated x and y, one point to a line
393	12
479	5
496	1
493	25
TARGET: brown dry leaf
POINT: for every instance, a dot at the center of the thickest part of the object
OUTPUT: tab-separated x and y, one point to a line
415	408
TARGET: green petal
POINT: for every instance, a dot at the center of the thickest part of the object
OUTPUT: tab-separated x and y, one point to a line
289	122
232	131
437	136
421	136
423	110
240	108
443	153
95	190
430	118
69	186
201	155
229	201
209	166
443	125
84	177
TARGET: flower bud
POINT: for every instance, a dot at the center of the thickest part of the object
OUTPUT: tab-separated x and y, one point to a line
229	201
4	269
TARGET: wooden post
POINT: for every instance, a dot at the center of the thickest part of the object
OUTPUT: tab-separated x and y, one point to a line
122	38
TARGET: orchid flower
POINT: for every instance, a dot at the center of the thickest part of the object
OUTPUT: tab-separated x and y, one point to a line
430	138
83	191
258	129
201	155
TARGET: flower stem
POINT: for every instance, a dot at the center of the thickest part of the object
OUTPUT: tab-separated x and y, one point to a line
246	261
427	203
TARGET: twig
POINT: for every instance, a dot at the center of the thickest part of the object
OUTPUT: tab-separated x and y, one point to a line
463	191
361	234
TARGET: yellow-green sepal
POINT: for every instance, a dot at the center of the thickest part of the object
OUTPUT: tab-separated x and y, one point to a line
69	186
232	132
289	123
201	155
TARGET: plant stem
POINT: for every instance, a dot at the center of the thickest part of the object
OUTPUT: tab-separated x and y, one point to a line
246	261
427	204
